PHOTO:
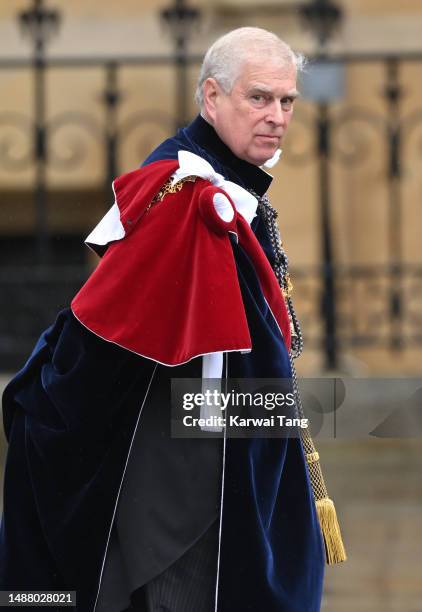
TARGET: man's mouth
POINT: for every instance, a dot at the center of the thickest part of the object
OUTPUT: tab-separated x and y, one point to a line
269	137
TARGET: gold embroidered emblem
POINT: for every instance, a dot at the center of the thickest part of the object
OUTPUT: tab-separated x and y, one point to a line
169	188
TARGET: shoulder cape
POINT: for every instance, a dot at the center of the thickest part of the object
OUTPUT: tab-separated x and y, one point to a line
166	287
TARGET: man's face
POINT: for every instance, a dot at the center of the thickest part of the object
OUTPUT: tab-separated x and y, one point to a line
253	118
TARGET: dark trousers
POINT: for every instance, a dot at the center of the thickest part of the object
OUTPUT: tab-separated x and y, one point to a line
186	586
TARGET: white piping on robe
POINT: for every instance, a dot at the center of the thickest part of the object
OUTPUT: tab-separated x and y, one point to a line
220	528
121	483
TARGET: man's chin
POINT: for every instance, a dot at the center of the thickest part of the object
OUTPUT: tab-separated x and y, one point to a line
264	155
261	161
259	157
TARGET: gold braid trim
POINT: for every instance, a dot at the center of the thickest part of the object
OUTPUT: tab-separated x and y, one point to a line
312	457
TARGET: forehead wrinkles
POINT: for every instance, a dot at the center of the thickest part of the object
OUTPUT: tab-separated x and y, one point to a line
268	66
267	77
276	90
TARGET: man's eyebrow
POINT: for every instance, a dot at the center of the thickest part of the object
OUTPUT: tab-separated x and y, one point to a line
293	93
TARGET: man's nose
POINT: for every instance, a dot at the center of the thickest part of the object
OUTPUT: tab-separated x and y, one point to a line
276	114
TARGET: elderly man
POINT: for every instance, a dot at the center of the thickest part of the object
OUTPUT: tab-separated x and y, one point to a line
99	497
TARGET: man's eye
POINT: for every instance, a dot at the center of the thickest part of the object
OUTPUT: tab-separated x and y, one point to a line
287	103
257	98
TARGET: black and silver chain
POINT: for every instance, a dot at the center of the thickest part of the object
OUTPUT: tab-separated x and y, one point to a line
280	267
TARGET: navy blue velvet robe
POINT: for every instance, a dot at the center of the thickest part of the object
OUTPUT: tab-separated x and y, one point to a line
70	416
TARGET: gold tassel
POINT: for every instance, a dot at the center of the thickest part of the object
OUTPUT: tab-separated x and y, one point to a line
334	547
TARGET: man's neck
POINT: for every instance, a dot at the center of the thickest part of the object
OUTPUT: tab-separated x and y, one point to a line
203	133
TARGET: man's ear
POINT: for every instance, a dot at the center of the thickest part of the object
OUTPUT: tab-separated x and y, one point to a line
211	90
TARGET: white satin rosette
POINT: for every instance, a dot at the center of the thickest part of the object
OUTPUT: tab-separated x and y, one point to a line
193	165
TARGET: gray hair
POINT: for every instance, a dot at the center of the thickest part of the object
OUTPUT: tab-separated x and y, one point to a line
224	59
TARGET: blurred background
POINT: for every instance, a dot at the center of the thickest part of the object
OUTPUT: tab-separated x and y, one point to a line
88	89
